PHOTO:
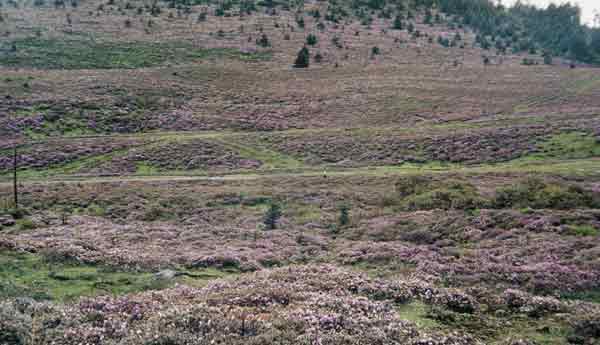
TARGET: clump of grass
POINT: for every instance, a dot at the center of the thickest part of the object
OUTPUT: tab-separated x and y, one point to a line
26	224
583	230
96	210
155	212
536	193
423	193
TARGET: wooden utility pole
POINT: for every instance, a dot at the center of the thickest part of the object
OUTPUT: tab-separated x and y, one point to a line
15	187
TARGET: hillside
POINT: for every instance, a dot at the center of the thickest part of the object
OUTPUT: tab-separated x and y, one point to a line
431	177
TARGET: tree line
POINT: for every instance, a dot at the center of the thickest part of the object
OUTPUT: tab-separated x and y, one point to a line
555	30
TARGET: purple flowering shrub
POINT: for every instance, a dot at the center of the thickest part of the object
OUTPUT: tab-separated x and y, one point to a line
292	305
534	306
535	251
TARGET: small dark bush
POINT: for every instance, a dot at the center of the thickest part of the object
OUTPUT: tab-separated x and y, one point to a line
398	25
263	41
318	57
412	185
443	41
420	236
272	216
528	62
587	327
547	57
344	218
420	193
302	60
311	40
336	42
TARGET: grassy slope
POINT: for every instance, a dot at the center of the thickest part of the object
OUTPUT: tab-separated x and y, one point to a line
88	54
566	152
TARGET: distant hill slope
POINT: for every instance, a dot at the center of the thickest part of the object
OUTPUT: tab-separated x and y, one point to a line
554	31
115	66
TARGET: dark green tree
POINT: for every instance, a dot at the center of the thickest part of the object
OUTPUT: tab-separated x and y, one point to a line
443	41
547	57
302	60
428	17
578	49
595	42
272	216
344	217
398	25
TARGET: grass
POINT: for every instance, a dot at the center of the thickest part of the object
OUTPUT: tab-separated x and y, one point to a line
543	332
270	159
571	145
67	168
587	295
67	126
31	275
584	85
565	146
583	230
552	333
49	53
142	168
304	214
25	224
419	193
417	313
568	168
16	86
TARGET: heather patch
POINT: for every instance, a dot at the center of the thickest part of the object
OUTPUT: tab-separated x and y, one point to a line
59	153
193	154
282	306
